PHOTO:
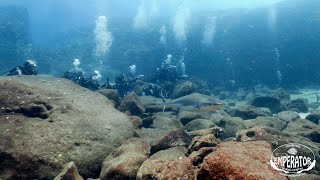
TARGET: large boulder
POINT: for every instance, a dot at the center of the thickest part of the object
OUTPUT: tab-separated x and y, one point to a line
266	121
276	138
47	122
125	161
176	137
287	116
198	124
168	164
132	105
299	105
270	102
231	125
314	117
249	112
166	121
186	116
239	160
184	88
112	95
305	128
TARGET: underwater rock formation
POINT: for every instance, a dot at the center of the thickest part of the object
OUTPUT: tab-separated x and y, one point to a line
112	95
314	117
132	105
168	164
234	160
184	88
174	138
125	161
231	125
249	112
46	122
270	102
298	105
198	124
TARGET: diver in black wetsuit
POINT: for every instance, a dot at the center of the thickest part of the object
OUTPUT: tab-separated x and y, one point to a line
28	68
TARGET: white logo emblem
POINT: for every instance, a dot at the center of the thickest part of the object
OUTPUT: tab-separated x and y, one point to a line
292	159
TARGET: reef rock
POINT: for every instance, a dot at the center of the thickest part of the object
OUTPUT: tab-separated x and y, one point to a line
184	88
305	128
168	164
299	105
132	105
314	117
136	121
198	124
186	116
281	94
270	102
216	131
199	142
249	112
239	160
174	138
276	138
287	116
46	122
231	125
125	161
112	95
266	121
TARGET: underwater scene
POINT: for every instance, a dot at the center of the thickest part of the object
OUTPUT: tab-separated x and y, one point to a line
159	89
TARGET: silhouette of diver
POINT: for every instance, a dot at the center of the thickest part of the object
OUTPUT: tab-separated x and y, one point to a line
29	68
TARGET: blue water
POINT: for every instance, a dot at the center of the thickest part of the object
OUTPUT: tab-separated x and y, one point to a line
231	44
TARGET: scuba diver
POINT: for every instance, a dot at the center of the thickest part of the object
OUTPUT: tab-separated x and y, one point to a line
29	68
